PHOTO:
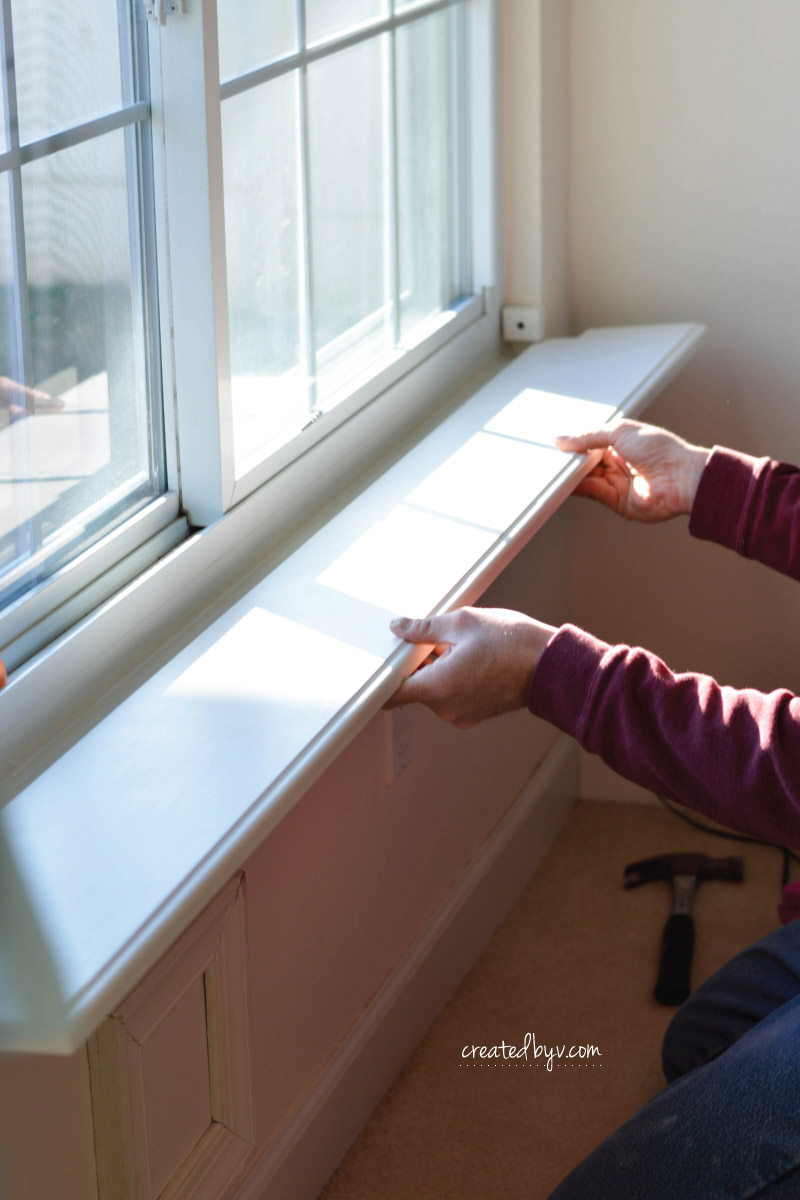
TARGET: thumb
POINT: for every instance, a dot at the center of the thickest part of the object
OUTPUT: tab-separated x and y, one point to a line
596	439
424	631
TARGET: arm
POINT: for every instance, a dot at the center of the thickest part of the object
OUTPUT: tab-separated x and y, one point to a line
751	506
730	753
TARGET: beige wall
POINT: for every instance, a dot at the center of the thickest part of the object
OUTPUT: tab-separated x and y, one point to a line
685	204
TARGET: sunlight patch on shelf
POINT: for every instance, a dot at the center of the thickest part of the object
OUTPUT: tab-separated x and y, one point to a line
536	416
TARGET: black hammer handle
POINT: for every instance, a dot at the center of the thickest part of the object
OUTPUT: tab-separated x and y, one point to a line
672	986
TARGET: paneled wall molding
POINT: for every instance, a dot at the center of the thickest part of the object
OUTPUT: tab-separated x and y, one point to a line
141	1148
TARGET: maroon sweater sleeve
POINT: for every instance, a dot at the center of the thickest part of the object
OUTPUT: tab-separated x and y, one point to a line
732	754
751	505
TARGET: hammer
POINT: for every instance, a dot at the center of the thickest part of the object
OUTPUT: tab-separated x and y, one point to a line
684	871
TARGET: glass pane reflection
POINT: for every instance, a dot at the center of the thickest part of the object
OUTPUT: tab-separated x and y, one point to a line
349	212
77	442
253	34
324	18
67	63
263	232
425	137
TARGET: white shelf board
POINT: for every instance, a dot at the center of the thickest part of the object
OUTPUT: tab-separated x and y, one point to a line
109	854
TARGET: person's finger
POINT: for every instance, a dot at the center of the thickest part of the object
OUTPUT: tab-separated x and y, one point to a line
417	689
430	631
597	488
593	439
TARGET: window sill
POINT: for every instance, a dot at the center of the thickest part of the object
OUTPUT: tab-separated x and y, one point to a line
109	854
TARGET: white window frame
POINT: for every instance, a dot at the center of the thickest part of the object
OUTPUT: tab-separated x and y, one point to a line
109	636
185	58
41	614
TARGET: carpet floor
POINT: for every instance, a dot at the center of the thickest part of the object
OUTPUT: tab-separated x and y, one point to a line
574	964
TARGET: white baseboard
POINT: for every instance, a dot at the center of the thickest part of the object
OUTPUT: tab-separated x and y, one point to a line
306	1151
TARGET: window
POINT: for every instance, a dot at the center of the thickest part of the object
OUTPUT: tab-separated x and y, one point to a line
342	163
80	425
225	228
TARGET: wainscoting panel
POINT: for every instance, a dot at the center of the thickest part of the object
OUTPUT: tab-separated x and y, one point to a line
170	1069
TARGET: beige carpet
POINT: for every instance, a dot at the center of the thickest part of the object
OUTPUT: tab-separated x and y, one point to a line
573	964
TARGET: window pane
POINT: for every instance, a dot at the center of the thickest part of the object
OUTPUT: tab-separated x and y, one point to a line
3	139
263	230
427	212
252	34
350	236
324	18
14	539
7	325
67	59
78	448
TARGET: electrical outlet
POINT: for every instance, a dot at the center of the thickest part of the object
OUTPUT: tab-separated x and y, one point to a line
399	741
523	324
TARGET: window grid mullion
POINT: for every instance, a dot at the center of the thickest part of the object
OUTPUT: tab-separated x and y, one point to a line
459	266
141	222
393	189
29	533
19	258
306	249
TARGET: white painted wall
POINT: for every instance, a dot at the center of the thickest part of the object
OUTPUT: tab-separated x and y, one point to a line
684	203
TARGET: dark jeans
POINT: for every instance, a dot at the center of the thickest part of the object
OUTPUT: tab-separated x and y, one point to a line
728	1123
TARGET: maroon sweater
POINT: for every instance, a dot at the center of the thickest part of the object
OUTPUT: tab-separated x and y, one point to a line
731	753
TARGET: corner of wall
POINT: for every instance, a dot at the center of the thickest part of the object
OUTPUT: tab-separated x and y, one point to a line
535	127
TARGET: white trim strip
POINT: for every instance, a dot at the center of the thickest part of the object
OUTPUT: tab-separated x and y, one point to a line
78	574
102	588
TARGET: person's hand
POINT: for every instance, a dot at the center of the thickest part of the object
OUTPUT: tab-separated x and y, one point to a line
645	474
480	664
21	401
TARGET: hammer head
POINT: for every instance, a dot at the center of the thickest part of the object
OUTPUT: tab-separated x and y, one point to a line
667	866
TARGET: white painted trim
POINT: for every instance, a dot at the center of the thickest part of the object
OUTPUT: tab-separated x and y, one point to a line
228	1024
192	259
313	1140
213	949
212	1169
189	958
80	572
